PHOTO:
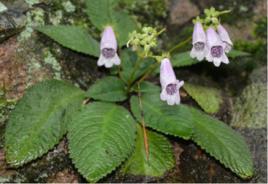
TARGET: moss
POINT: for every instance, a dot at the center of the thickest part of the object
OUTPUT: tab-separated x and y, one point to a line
56	17
34	18
50	60
258	46
251	106
32	2
68	6
150	12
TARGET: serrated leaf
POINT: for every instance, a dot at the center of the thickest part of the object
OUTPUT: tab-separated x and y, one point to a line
236	53
215	137
129	63
101	137
183	59
160	160
37	123
110	89
102	13
72	37
123	24
223	143
173	120
208	98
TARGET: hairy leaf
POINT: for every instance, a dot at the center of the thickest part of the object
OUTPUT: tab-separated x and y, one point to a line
102	13
110	89
208	98
215	137
37	123
72	37
236	53
160	160
183	59
123	24
101	136
173	120
223	143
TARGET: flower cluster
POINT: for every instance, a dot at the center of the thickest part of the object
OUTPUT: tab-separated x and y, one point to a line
210	40
213	43
145	40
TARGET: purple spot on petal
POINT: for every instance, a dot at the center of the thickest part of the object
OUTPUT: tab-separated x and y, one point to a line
108	52
199	46
171	89
216	51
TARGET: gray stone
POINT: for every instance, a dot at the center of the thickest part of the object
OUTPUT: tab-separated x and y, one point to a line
250	107
250	118
182	11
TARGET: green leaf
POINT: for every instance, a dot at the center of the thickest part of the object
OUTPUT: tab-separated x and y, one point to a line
101	137
183	59
161	157
236	53
147	88
102	13
208	98
215	137
223	143
173	120
129	63
72	37
123	25
37	123
110	89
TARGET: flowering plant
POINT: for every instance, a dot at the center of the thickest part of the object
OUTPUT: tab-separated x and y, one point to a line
102	134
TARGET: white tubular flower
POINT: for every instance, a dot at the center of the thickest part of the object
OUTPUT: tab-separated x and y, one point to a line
170	85
215	52
199	49
224	36
108	47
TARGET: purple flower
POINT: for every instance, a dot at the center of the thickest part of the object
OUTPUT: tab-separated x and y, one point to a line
108	47
224	36
170	85
199	49
215	52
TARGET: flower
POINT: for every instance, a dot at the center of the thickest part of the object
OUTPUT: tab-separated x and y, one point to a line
199	49
170	85
215	52
224	36
108	47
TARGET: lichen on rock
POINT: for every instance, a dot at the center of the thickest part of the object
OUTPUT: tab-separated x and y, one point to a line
250	107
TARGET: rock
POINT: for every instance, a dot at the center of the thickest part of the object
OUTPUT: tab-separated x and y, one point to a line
55	166
182	11
13	74
12	20
250	118
250	107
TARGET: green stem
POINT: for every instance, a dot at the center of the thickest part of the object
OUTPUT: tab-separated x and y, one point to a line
150	70
119	68
136	67
145	138
224	12
180	44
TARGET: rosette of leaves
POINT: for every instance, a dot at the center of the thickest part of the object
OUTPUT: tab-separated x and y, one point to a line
104	135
